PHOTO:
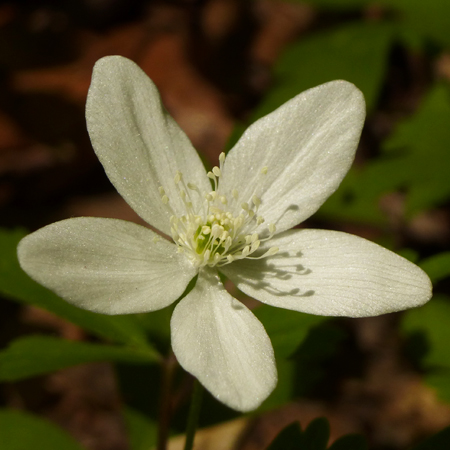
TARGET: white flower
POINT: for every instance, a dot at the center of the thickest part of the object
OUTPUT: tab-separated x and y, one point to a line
278	174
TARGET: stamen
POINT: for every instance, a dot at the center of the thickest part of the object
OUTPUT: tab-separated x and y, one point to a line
208	233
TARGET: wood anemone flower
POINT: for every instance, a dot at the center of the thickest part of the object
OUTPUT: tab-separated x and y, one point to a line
236	219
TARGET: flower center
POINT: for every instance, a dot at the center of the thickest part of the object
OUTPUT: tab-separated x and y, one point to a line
215	234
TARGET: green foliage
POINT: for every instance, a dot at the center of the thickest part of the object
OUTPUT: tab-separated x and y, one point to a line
415	159
420	20
15	284
356	53
287	329
315	437
317	434
299	374
416	156
36	355
433	322
22	431
142	431
429	20
440	441
437	267
350	442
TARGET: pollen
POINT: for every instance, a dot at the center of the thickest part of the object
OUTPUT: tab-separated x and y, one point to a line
224	229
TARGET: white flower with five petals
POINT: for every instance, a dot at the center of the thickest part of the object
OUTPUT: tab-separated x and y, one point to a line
236	219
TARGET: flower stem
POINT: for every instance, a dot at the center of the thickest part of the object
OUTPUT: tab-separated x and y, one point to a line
165	407
194	413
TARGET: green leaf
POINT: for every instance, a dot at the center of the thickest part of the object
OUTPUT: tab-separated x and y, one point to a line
433	321
36	355
356	53
300	374
287	329
17	285
428	19
416	160
316	436
416	156
20	431
142	431
437	267
288	439
350	442
440	441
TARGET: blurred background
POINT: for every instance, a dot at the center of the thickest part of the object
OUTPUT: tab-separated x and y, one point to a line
220	65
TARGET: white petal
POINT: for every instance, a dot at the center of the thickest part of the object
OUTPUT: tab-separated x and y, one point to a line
331	273
307	145
106	265
140	146
219	341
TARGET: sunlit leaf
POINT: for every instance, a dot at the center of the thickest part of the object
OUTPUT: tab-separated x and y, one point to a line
17	285
23	431
36	355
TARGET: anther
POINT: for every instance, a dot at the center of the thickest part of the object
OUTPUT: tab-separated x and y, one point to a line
264	170
216	171
256	200
222	157
178	177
